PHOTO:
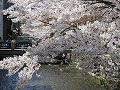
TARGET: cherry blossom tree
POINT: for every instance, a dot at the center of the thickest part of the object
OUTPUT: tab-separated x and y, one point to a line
88	27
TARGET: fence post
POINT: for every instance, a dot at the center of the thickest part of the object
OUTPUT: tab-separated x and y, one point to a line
12	44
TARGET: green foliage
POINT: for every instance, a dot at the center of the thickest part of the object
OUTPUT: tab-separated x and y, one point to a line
109	84
104	83
117	46
73	65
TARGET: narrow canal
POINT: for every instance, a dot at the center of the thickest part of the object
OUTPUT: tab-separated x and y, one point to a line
55	77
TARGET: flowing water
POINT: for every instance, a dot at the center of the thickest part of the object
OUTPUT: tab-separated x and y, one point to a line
55	77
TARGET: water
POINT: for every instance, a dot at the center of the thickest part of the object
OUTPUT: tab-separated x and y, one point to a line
57	77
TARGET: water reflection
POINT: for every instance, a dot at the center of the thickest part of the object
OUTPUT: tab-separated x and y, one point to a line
2	79
61	77
7	82
53	77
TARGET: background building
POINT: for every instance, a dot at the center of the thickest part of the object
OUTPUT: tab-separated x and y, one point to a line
6	22
1	19
6	25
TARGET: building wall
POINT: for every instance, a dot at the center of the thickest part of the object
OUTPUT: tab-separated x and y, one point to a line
6	27
1	19
6	22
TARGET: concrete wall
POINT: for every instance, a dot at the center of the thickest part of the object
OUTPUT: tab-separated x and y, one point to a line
1	19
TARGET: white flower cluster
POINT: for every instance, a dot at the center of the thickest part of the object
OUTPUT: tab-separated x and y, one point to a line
25	65
89	27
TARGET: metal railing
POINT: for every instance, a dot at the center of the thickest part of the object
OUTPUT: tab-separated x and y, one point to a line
20	45
15	45
5	45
